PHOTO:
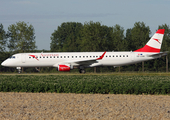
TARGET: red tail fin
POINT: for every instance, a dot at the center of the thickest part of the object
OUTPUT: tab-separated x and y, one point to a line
154	44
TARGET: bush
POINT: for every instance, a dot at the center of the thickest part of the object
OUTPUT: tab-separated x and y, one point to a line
86	84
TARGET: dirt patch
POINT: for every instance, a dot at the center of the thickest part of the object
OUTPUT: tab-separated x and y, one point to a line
83	106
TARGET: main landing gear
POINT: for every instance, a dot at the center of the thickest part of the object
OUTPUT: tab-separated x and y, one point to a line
81	69
37	69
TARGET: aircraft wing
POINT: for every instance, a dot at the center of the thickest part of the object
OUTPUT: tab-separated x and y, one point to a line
159	54
82	62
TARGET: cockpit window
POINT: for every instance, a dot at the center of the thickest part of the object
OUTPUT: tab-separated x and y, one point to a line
12	57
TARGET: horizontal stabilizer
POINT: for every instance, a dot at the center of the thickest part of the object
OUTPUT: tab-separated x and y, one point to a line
159	54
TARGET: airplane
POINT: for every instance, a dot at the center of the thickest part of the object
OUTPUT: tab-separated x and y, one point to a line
65	61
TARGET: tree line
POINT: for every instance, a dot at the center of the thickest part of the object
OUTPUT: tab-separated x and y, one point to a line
88	37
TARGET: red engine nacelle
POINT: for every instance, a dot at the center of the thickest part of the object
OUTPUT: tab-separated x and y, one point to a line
63	68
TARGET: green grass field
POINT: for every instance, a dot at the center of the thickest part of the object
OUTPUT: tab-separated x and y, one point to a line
100	74
115	83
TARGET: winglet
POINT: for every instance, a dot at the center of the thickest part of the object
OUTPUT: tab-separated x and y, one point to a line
101	57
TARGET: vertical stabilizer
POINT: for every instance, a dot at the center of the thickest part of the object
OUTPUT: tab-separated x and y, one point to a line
154	44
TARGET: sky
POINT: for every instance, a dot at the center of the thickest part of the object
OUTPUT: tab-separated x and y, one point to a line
47	15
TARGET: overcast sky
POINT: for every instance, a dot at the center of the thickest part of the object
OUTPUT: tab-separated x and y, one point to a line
47	15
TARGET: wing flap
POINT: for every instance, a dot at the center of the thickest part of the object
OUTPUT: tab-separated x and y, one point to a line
83	62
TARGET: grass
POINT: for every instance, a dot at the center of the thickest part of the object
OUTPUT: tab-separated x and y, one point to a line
115	83
99	74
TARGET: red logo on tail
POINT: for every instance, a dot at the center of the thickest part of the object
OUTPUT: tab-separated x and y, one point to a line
157	40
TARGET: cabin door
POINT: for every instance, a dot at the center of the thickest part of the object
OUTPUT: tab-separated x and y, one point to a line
23	58
132	56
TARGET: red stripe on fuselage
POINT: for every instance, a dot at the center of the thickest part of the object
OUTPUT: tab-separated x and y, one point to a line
33	56
147	48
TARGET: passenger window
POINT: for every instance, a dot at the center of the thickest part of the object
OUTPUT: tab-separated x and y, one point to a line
127	56
113	56
60	56
72	56
86	56
79	56
120	55
64	56
110	56
116	55
68	56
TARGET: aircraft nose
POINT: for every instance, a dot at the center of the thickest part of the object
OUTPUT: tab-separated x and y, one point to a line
3	63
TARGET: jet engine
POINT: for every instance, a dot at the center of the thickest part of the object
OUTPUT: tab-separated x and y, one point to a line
64	67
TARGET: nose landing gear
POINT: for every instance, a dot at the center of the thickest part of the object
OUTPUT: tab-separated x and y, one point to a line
81	69
19	69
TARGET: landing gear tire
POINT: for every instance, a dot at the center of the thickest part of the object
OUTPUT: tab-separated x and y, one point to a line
19	69
82	71
37	69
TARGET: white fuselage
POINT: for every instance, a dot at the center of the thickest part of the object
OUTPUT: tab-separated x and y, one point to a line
53	59
64	61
